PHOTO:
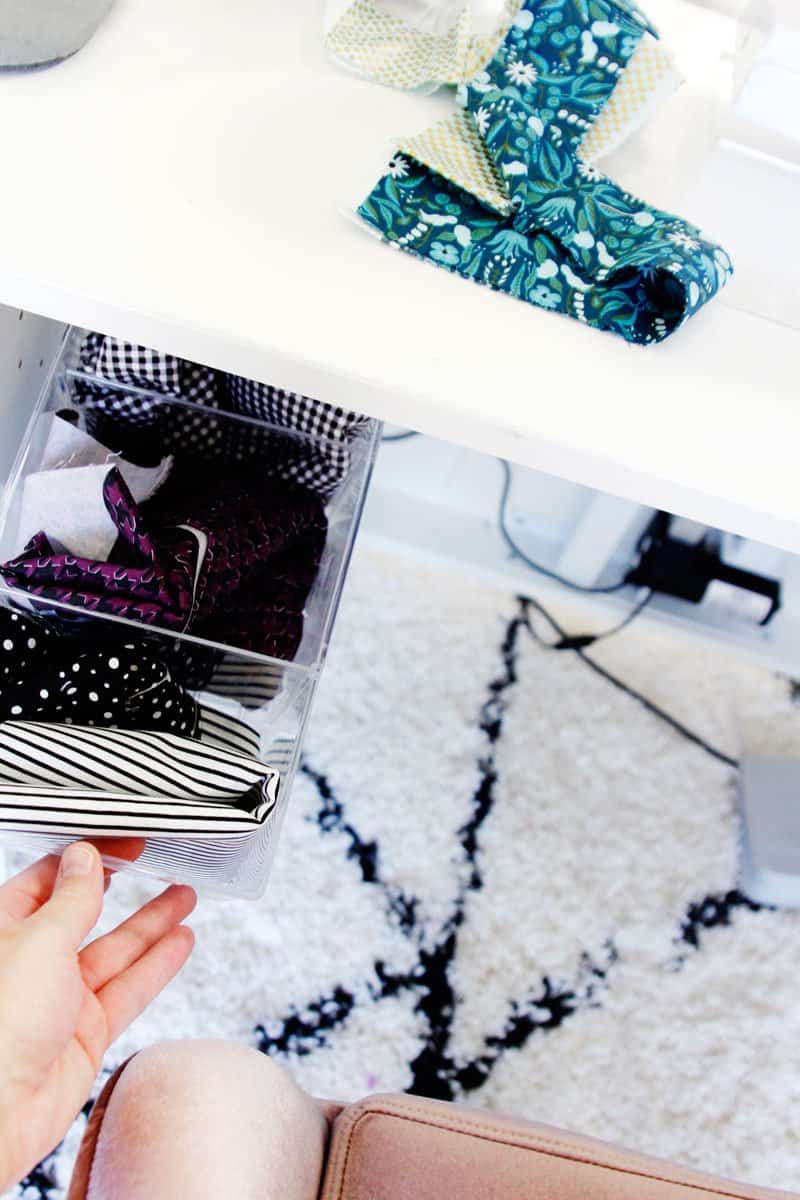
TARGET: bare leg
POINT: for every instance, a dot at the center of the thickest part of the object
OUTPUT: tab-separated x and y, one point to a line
208	1119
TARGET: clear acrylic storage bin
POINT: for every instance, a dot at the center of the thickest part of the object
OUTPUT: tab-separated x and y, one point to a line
272	693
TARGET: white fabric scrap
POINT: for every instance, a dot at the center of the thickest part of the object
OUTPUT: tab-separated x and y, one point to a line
65	498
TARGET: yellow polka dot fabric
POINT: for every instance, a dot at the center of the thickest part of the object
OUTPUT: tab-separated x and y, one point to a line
454	149
376	43
649	76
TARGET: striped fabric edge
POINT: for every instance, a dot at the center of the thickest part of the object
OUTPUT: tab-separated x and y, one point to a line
111	781
80	812
250	683
280	752
206	852
144	763
224	732
213	852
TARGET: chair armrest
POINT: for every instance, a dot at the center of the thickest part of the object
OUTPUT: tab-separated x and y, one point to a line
404	1148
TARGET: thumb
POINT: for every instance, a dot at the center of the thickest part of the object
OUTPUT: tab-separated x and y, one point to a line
77	898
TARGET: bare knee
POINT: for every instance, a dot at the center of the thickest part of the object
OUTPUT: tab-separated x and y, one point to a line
173	1074
193	1113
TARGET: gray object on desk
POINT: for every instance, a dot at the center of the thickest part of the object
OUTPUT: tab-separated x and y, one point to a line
36	32
769	804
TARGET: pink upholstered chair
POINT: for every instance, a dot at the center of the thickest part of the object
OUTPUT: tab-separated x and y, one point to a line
398	1147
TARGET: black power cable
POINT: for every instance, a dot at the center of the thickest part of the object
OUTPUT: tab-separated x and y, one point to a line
649	705
580	642
536	566
576	641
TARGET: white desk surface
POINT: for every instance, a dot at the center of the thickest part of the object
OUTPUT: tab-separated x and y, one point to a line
180	182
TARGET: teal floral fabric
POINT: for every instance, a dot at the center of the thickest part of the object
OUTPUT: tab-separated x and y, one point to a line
575	242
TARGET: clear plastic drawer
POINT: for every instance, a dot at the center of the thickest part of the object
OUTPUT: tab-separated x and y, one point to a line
264	672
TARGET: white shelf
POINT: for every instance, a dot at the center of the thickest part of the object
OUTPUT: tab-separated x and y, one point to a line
180	182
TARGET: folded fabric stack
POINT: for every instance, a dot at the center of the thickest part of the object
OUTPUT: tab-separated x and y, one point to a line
102	740
86	782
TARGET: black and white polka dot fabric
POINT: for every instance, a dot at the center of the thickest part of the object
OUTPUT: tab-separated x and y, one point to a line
49	678
46	678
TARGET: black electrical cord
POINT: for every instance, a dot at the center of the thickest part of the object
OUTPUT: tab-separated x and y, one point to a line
579	643
535	566
576	641
649	705
568	642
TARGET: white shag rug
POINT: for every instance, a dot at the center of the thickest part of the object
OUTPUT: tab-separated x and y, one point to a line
502	880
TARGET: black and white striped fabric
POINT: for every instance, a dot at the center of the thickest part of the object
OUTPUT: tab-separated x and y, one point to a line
81	781
314	451
226	732
248	682
280	753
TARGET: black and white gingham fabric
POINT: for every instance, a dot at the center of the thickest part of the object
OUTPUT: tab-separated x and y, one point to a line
321	460
290	410
314	451
91	389
140	367
134	416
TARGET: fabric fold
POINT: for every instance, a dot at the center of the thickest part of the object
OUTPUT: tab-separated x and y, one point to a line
144	580
225	732
373	41
82	781
650	76
544	225
232	560
66	496
49	677
144	403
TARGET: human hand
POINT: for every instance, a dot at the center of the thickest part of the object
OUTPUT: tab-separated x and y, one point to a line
62	1007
